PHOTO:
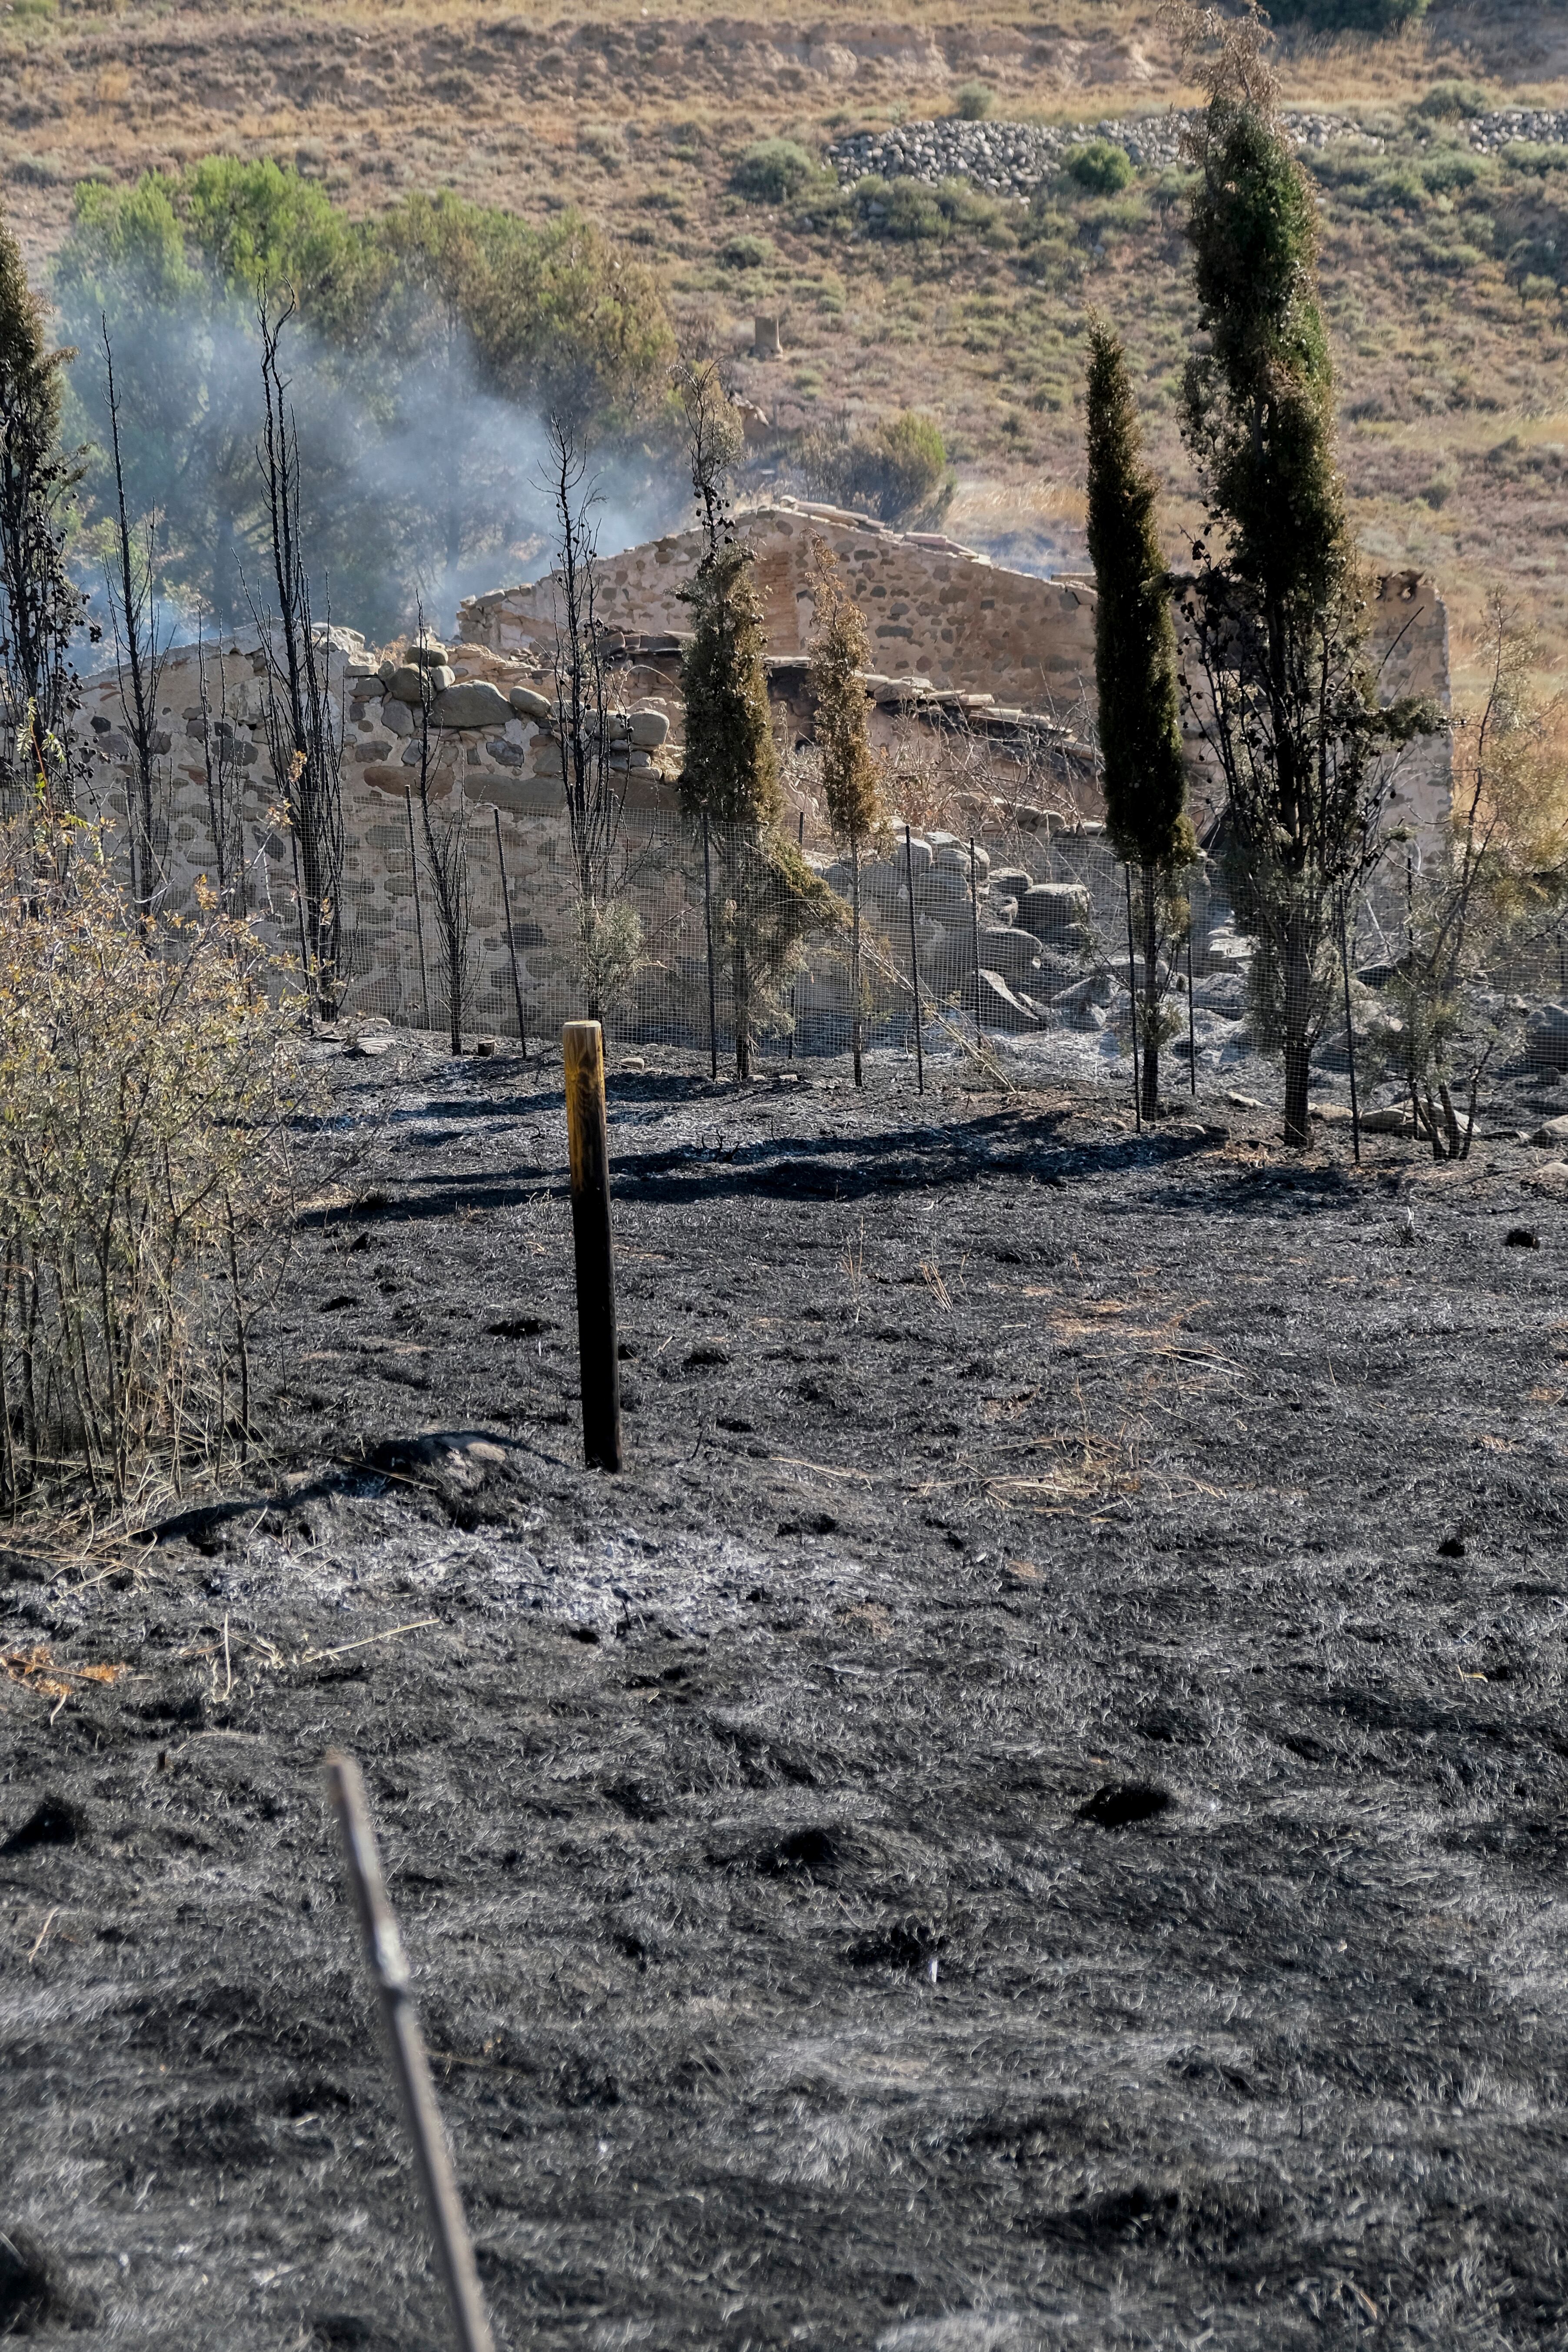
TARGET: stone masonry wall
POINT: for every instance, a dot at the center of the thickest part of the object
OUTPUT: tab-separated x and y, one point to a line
491	762
933	609
939	611
953	619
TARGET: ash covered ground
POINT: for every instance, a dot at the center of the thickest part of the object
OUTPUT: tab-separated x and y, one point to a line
1032	1815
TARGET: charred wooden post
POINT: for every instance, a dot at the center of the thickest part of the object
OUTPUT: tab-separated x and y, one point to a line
582	1059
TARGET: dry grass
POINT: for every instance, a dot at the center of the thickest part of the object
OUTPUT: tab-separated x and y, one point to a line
639	118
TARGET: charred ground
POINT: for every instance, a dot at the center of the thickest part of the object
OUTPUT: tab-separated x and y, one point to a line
1031	1815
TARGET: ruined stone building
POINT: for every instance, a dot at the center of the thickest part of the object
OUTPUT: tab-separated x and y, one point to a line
987	668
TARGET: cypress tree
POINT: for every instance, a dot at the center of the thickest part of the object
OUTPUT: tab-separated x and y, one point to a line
1135	669
840	655
39	606
1287	710
731	778
732	773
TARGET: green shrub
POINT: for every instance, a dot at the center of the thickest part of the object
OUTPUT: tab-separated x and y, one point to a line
774	171
1401	188
1455	167
746	252
911	213
1100	168
897	466
974	101
1526	155
1446	101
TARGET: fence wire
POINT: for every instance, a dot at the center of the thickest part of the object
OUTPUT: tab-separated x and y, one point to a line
1019	946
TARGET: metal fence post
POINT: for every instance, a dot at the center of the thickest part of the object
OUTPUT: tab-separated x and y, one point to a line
510	942
708	913
974	937
1192	1018
1132	1006
418	918
914	962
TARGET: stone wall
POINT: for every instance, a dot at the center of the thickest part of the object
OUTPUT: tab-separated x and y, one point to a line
495	764
939	613
934	609
971	633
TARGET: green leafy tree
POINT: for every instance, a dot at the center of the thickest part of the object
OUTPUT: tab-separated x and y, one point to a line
1279	685
1135	672
434	337
851	781
40	607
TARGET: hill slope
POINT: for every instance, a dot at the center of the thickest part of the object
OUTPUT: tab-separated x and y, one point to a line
1443	271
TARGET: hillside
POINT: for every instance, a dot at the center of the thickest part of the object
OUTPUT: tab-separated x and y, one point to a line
1444	266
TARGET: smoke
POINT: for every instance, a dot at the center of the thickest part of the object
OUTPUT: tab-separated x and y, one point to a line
419	485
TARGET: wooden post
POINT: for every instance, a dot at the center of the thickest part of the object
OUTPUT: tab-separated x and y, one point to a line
914	962
510	942
389	1972
583	1061
1192	1017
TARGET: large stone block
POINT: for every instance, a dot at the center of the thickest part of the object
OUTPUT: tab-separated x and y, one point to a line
1546	1035
1056	911
998	1008
472	704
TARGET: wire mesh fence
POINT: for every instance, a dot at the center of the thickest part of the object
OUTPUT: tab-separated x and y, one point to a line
1020	946
1017	944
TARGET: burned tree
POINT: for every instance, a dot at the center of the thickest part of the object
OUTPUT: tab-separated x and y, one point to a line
851	786
40	606
446	847
304	733
130	584
606	931
1135	673
714	440
223	775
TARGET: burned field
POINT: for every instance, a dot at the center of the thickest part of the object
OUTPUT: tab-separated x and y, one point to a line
1032	1814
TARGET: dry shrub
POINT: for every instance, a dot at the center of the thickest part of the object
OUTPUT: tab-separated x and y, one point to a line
146	1080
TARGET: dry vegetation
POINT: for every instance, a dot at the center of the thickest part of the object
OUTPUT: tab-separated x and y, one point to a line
1456	412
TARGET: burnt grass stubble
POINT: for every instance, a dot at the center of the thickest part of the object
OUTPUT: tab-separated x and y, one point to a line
1032	1814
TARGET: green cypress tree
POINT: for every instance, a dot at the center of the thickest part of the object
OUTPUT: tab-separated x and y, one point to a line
730	779
1135	672
39	606
851	785
732	773
1287	709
